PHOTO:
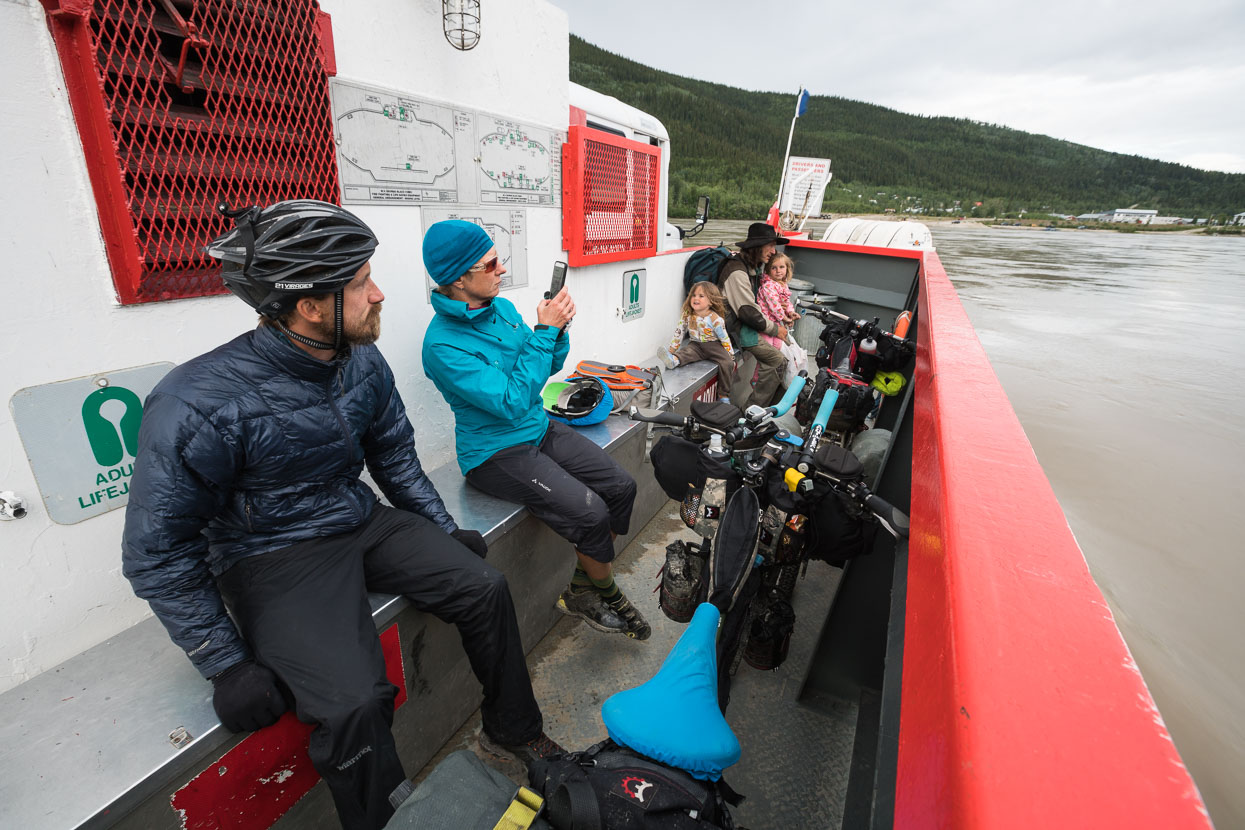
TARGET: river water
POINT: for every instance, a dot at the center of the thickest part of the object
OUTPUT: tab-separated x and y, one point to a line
1122	355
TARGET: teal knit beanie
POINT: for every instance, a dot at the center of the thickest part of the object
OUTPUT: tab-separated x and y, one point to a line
453	246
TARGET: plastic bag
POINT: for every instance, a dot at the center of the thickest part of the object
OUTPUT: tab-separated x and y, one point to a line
797	359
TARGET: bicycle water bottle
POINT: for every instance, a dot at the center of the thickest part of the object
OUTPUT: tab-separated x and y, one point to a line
715	450
868	346
713	497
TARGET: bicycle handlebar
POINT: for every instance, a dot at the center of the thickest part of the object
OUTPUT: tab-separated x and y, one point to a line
827	406
658	416
892	518
864	325
793	392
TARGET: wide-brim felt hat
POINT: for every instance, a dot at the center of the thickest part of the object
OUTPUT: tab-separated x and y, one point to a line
760	233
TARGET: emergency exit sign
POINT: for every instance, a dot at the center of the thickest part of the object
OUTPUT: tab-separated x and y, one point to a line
81	436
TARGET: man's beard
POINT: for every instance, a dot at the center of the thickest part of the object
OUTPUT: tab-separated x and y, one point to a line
362	333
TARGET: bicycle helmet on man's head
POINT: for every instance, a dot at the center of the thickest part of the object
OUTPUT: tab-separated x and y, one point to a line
275	255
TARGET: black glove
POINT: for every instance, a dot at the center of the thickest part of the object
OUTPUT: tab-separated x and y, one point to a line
472	541
246	697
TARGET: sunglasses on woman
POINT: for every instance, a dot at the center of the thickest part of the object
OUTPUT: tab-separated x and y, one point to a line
488	266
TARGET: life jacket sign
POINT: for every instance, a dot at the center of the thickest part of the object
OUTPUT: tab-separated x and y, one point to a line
81	436
633	285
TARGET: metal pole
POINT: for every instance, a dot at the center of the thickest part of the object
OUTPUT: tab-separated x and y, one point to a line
782	182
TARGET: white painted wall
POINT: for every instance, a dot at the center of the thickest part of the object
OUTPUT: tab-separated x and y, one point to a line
61	588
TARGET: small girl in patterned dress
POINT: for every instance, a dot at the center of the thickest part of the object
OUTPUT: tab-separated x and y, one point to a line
705	332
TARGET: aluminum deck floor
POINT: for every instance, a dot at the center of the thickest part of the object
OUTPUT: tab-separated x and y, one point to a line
795	761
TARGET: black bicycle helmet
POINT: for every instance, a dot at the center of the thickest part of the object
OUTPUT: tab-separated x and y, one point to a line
275	255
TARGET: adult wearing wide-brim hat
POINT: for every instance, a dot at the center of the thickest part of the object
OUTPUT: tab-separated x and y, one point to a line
761	234
739	281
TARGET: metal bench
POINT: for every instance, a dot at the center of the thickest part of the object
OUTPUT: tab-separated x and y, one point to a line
109	737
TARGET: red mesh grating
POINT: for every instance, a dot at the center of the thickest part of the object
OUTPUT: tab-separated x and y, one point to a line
609	205
183	104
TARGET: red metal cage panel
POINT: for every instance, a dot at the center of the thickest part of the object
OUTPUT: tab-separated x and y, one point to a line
184	104
609	197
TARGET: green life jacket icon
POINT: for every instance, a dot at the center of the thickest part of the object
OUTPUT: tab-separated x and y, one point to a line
635	288
106	440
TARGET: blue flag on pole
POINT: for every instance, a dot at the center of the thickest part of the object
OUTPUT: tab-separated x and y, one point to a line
801	103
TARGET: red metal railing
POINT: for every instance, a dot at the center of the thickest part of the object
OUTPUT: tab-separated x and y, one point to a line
609	197
183	104
1022	707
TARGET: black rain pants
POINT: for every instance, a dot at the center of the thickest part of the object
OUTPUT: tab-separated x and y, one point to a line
569	483
304	612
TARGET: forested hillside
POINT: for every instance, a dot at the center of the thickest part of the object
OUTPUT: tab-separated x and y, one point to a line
728	143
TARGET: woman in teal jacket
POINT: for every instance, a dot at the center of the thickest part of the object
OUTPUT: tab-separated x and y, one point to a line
491	368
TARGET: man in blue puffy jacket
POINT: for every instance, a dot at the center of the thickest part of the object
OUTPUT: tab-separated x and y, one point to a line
491	369
251	535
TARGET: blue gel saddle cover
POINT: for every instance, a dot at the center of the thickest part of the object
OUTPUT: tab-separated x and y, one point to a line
674	717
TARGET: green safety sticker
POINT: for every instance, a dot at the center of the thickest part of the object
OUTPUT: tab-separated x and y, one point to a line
81	437
632	307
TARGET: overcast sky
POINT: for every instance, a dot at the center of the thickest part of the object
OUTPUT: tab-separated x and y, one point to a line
1154	78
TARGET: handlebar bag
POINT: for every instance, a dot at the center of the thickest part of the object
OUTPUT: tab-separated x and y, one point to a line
717	414
680	466
840	530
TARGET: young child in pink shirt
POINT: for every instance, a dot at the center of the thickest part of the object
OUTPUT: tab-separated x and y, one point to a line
774	297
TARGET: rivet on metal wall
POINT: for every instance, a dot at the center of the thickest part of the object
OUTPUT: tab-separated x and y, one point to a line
461	22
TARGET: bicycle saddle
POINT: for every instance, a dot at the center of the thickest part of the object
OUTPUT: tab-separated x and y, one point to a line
674	717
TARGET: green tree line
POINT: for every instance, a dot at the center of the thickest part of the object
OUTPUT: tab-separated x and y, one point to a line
728	143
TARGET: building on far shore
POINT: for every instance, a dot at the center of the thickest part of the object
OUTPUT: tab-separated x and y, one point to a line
1239	219
1140	217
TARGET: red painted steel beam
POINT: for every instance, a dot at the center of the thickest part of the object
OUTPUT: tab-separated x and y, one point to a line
68	22
1022	707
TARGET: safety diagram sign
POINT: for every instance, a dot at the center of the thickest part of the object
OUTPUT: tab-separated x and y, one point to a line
397	148
81	436
507	229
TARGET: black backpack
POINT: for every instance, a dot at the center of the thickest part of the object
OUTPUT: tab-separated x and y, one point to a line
704	266
609	787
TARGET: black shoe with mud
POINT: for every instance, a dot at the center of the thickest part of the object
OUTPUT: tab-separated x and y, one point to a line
617	616
540	748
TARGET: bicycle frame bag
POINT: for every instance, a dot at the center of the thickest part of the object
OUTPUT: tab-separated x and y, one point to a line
609	787
734	546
